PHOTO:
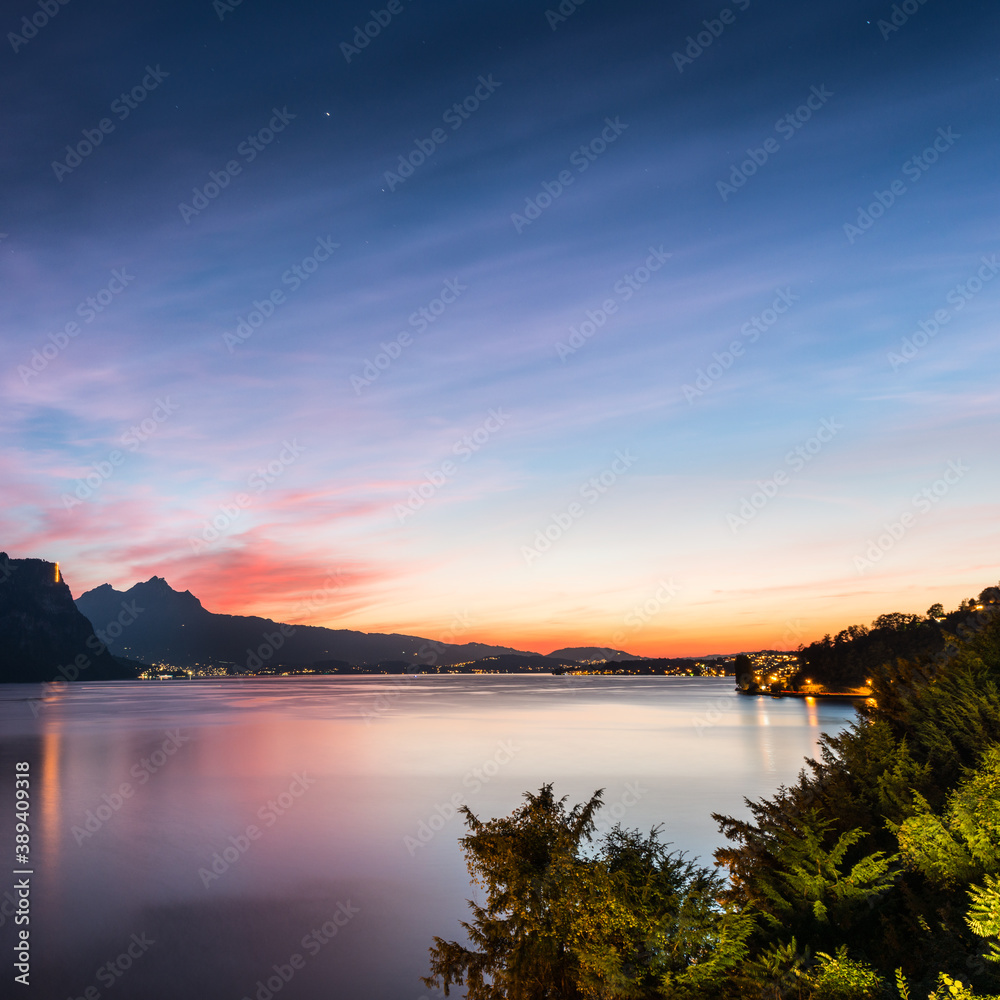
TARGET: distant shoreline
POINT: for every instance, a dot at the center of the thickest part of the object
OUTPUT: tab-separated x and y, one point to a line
828	695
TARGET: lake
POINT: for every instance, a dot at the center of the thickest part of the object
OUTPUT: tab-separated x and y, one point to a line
297	837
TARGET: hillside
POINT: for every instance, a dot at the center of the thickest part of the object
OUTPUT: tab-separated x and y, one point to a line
43	637
174	628
849	658
596	654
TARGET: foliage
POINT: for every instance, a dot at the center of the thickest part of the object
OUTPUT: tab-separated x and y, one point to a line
841	978
526	863
955	989
983	917
633	920
848	659
881	863
963	843
648	923
902	987
917	765
774	973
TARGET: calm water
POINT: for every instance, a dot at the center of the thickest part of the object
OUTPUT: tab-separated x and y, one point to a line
353	864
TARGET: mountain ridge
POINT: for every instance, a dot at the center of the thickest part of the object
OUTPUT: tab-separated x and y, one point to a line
248	642
594	653
43	635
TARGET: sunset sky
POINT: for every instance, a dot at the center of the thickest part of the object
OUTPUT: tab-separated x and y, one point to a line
643	288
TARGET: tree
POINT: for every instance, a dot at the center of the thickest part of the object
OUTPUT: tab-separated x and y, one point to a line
525	863
896	620
936	611
813	888
650	925
882	858
983	917
744	671
628	921
920	760
962	846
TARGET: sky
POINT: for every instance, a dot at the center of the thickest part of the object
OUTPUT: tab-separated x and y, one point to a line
667	327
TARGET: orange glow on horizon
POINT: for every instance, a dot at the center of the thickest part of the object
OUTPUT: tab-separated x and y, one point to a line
700	620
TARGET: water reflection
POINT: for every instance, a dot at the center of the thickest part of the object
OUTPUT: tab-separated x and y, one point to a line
304	798
812	714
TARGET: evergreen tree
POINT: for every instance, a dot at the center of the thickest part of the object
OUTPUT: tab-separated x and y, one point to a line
882	861
630	920
934	720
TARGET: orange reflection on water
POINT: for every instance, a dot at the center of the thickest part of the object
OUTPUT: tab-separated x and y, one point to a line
50	799
812	712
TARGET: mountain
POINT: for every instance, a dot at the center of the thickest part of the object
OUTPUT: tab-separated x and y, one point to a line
595	653
43	637
520	663
171	627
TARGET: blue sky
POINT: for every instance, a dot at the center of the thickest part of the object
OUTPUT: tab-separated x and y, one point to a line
226	415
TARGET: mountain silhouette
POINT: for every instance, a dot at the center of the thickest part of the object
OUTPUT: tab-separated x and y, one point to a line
43	636
595	653
172	627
